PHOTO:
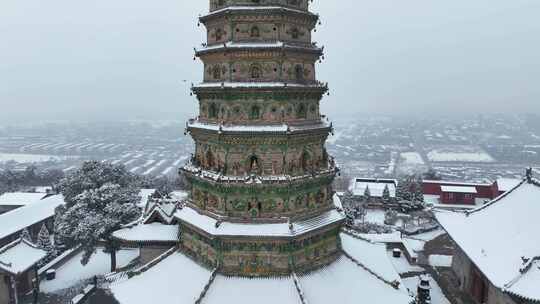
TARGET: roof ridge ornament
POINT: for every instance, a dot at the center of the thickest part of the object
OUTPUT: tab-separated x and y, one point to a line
529	175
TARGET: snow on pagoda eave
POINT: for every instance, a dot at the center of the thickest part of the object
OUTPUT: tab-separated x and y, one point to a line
210	226
250	180
257	9
277	45
280	129
319	86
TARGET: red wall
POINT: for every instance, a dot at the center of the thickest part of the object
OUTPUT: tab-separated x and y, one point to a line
457	198
488	191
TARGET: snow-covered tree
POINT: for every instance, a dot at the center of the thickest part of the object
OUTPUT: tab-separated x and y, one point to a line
44	242
93	175
418	190
94	215
403	189
25	235
367	194
100	198
386	194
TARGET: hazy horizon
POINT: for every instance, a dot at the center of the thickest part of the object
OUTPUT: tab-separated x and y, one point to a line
128	60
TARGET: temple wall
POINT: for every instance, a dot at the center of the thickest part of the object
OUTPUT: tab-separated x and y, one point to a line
263	257
462	266
147	254
4	289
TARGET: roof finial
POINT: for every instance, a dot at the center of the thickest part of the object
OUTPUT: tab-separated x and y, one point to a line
529	175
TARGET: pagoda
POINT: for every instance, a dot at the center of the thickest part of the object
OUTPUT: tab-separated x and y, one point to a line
261	201
261	222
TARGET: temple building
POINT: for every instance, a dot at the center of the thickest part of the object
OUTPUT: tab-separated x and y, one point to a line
497	258
261	221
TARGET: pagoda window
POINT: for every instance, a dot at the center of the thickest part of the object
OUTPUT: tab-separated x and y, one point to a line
304	160
301	112
216	72
210	159
212	111
255	32
254	166
256	72
299	72
219	34
255	112
295	33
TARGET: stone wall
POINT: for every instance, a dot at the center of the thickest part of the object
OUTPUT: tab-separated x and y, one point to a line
147	254
262	256
4	289
463	268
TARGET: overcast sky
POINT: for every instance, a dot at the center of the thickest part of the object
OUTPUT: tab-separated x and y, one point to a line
133	59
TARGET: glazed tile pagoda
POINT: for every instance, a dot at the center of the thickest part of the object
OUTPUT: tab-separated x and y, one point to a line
261	201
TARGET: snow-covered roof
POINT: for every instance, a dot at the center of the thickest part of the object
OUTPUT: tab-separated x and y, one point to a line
154	232
459	189
376	186
506	184
210	225
176	279
179	195
500	236
345	282
371	254
20	198
19	256
144	194
20	218
252	290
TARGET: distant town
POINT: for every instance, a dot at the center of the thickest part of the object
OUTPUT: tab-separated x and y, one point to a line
477	148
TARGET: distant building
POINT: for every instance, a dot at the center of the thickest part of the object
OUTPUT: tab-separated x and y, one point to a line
498	253
376	187
463	194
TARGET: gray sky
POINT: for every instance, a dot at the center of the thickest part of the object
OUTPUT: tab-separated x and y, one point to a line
127	59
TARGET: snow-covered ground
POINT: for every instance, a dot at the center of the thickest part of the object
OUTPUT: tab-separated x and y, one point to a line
73	272
412	158
459	154
375	216
401	264
29	158
437	295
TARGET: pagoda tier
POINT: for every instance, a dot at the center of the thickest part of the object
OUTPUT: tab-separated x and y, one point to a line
217	6
261	199
274	248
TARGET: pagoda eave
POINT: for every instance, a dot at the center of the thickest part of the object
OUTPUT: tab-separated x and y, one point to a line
256	181
214	228
278	87
277	130
263	10
228	48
